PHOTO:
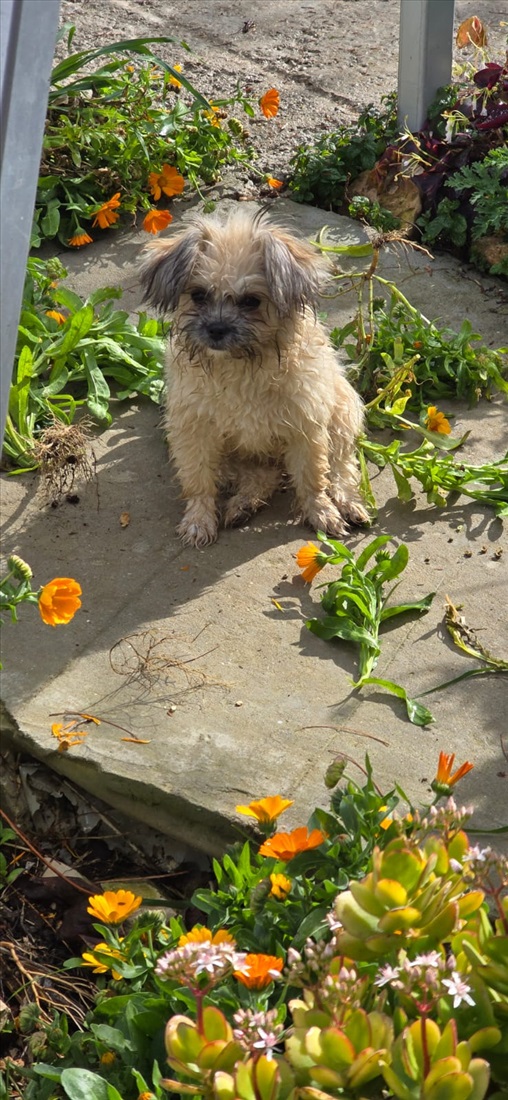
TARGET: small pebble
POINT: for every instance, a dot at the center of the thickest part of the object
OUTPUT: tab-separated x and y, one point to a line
239	703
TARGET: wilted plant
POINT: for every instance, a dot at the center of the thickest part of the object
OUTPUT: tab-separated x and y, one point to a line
68	353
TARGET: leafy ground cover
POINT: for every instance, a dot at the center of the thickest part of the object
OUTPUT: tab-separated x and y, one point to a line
446	184
362	955
124	130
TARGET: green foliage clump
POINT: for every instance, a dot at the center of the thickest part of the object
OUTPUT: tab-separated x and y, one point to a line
107	130
322	171
68	354
396	987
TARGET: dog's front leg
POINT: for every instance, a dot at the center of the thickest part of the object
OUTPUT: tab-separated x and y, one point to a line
307	464
196	452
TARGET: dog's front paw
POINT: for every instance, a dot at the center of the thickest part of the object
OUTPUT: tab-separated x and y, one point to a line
199	525
355	513
325	517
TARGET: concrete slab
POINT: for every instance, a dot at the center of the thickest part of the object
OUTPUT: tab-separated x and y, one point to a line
186	649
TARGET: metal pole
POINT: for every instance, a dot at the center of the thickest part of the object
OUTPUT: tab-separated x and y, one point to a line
425	56
28	30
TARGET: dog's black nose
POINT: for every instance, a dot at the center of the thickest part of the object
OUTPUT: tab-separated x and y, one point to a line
218	330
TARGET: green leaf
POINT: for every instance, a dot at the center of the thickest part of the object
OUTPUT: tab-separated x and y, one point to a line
333	627
81	323
50	222
414	605
98	390
417	714
372	549
82	1084
65	297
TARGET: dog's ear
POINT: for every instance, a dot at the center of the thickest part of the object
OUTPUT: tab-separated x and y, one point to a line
166	272
293	271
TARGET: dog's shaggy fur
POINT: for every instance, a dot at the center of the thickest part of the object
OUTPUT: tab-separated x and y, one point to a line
253	386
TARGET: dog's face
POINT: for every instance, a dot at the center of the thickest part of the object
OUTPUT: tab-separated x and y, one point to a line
231	285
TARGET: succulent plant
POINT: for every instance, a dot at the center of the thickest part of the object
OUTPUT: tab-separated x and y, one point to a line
412	897
327	1057
429	1064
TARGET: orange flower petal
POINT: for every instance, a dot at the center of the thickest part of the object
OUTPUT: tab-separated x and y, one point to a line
156	220
59	600
270	102
260	970
266	809
113	906
80	239
286	846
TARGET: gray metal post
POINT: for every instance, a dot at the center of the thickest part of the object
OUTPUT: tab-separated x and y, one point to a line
28	30
425	56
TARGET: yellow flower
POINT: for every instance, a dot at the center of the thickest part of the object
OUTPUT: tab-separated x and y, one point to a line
261	970
212	116
113	906
56	315
269	103
99	967
108	1058
80	238
276	184
172	79
106	215
266	809
198	934
156	220
436	421
387	821
168	180
280	886
444	779
310	559
59	600
286	846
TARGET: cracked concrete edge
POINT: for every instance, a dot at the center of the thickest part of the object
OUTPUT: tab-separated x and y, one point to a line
173	816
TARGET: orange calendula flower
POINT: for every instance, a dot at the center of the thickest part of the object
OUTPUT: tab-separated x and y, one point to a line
98	967
270	102
173	80
56	315
59	600
444	780
280	886
276	184
436	421
107	215
79	239
310	559
168	180
156	220
286	846
198	934
113	906
260	970
266	809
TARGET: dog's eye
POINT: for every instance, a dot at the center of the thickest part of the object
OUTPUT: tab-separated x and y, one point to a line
249	301
198	295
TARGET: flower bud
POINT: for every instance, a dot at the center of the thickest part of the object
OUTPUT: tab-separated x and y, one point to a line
19	568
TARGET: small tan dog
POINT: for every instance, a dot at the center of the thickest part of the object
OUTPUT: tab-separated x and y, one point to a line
253	385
